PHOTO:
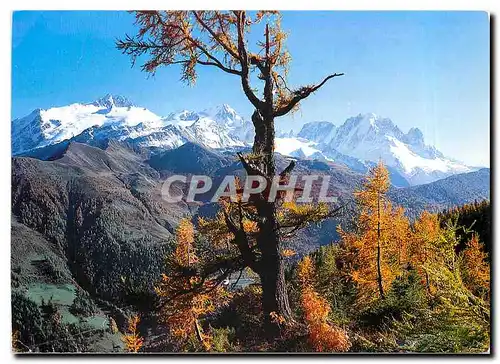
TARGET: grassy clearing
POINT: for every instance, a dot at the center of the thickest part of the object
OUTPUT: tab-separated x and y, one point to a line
62	295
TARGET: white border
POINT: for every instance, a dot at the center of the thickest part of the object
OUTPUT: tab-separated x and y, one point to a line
6	20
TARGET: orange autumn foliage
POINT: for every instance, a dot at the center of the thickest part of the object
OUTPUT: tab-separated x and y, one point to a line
380	244
477	269
189	297
433	247
184	253
133	342
323	336
426	232
287	253
182	313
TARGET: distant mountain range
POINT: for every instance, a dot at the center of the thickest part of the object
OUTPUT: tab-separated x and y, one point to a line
358	143
100	210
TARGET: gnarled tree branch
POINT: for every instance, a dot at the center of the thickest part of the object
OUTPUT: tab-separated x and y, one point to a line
301	94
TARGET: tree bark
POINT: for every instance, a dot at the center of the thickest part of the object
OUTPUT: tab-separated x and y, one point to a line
271	272
379	258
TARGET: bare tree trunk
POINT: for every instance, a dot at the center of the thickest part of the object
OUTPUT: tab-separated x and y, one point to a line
427	281
271	272
379	258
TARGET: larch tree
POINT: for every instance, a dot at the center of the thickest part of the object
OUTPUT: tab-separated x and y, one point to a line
220	40
133	342
380	244
476	267
426	231
186	294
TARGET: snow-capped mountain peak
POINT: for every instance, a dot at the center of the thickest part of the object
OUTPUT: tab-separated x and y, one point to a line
368	124
49	126
367	138
110	101
223	118
224	115
227	113
370	137
415	137
212	134
229	119
318	131
359	141
183	118
115	117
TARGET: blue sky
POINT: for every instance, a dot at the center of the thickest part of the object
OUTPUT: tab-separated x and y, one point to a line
425	69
